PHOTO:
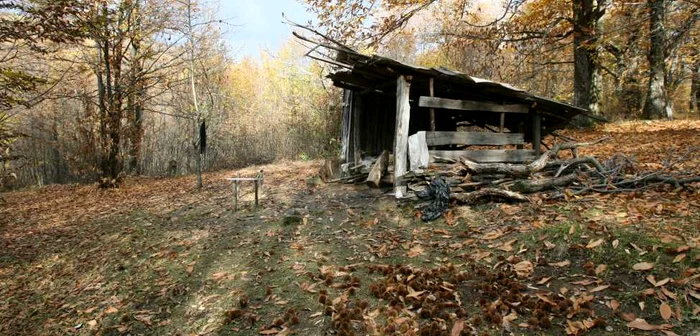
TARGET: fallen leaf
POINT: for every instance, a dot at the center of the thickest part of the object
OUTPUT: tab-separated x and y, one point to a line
412	293
615	243
643	266
599	288
493	235
561	263
524	268
594	244
111	310
415	251
662	282
614	304
665	311
457	328
272	331
641	324
544	280
679	258
600	269
549	245
668	293
316	314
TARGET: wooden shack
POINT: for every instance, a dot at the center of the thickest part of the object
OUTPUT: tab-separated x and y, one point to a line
386	101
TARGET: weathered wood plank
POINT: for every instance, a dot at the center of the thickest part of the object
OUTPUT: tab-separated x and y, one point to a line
536	132
488	155
473	138
432	111
470	105
403	116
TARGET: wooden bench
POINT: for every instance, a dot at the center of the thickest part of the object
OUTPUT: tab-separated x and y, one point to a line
258	182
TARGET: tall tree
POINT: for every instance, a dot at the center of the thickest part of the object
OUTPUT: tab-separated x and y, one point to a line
663	45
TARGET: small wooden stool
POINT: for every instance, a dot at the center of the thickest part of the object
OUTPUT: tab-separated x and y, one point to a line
258	181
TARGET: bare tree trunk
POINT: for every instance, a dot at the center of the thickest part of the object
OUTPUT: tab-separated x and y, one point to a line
588	78
197	144
136	95
695	87
656	103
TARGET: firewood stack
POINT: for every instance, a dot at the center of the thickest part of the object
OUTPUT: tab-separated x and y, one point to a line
472	181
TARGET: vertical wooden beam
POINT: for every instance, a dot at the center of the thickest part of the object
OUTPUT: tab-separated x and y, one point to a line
356	115
521	129
432	110
536	131
235	193
503	125
403	117
256	193
345	155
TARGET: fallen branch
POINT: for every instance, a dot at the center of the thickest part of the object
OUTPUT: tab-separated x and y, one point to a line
533	186
517	170
475	196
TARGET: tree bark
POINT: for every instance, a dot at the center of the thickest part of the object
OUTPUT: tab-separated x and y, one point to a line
695	86
657	98
588	78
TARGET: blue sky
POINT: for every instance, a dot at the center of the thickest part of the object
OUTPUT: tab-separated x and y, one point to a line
259	23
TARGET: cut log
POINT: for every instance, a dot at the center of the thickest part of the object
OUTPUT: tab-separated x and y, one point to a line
532	186
475	196
378	170
518	170
330	170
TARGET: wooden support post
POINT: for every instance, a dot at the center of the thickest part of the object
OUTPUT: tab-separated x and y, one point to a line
503	124
432	110
521	129
403	116
235	194
536	132
256	192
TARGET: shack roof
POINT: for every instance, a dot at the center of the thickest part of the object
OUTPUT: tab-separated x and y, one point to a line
368	73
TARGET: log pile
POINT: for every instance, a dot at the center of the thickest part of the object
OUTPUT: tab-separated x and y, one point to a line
549	176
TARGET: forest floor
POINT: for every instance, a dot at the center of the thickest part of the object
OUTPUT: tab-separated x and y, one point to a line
158	257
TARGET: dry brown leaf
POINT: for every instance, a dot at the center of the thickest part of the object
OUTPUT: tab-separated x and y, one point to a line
457	328
641	324
668	293
615	243
415	251
111	310
600	269
599	288
679	258
544	280
643	266
614	304
662	282
564	263
665	311
593	244
272	331
493	235
524	268
412	293
549	245
316	314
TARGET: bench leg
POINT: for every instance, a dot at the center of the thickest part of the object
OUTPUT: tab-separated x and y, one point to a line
256	194
235	196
